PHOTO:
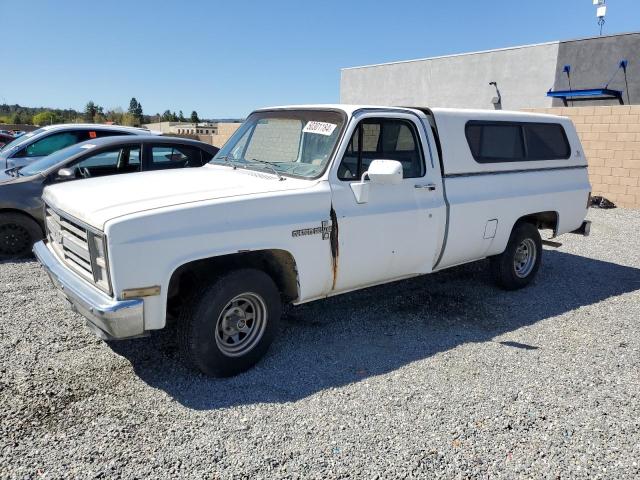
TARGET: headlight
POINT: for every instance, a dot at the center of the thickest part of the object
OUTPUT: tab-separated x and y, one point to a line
98	251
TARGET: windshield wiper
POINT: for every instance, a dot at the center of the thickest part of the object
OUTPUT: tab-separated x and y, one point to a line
229	159
234	162
270	166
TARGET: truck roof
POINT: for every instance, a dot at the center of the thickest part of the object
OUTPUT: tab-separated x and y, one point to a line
451	136
349	109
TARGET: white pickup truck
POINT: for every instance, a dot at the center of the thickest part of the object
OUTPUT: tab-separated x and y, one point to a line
306	202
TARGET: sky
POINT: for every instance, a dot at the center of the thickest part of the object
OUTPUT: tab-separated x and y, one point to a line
226	58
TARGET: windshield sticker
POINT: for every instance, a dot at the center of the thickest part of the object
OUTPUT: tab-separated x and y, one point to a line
322	128
88	145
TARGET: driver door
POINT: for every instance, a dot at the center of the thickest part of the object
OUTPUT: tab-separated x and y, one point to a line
397	232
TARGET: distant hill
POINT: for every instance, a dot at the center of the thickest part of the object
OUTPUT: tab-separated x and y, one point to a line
11	113
18	114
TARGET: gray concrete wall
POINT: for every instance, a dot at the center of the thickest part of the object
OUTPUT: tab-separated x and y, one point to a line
460	81
524	75
593	62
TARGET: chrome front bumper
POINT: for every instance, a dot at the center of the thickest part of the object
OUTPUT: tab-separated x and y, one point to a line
108	318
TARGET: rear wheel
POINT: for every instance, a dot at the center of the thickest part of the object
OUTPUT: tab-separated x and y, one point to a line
228	326
518	265
18	233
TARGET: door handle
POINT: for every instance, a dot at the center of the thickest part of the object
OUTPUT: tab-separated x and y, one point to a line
429	186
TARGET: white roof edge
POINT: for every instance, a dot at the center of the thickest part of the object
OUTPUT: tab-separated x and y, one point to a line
480	52
89	125
349	109
490	113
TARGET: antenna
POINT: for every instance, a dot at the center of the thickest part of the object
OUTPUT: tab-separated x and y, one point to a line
601	11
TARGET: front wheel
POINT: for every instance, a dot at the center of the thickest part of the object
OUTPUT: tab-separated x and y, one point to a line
518	265
228	326
18	233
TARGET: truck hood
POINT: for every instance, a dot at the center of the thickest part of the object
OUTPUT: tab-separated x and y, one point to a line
98	200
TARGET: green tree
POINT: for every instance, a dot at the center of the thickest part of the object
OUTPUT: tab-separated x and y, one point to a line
115	115
133	106
90	111
181	117
129	120
135	109
139	114
194	117
166	116
17	119
46	118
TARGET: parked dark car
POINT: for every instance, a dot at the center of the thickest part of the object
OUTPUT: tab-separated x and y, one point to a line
5	138
21	206
31	147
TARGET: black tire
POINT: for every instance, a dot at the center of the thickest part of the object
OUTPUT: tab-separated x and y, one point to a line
18	233
510	269
209	316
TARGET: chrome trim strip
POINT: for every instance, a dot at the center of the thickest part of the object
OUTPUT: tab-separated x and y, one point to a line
504	172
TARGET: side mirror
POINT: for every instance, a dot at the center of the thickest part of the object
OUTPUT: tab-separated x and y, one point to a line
66	174
382	172
385	172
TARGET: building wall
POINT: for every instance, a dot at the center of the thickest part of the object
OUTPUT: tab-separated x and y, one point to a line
610	136
457	81
524	75
219	132
225	130
593	62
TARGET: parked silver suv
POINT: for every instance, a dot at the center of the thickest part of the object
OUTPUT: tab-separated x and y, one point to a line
46	140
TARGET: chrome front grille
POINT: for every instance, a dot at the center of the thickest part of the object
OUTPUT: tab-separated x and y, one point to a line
78	247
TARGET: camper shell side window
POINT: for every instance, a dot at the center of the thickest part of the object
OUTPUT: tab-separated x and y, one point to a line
506	141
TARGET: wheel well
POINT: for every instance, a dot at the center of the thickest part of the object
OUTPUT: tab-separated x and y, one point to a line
542	220
278	264
24	214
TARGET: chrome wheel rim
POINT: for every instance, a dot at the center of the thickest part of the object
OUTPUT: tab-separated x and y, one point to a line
241	324
525	258
14	239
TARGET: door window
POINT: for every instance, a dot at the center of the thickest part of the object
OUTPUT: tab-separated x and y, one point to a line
110	162
174	156
382	139
51	143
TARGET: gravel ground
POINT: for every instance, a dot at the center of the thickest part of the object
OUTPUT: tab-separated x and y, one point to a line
441	376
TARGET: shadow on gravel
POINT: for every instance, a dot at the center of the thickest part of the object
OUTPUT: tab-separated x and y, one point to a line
345	339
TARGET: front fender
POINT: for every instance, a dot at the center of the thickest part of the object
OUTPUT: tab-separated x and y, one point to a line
146	248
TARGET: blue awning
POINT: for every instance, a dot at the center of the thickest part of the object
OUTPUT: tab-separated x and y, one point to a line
600	93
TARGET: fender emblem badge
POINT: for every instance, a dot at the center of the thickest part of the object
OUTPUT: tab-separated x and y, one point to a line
324	229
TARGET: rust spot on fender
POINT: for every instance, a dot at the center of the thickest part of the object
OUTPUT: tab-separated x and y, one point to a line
333	241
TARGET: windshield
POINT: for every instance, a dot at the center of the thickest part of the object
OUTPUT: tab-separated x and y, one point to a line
56	157
288	142
22	138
